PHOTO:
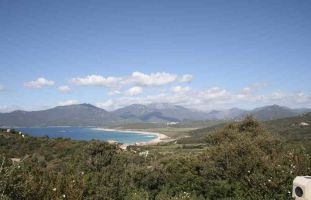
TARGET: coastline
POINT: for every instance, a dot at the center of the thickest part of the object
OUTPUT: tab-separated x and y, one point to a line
160	138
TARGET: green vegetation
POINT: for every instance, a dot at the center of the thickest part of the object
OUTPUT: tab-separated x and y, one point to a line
240	161
295	130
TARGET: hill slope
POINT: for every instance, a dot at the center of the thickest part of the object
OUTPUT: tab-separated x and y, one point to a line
295	129
272	112
262	113
230	114
161	112
73	115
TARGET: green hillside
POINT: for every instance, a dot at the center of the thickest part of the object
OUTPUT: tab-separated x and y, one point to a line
294	129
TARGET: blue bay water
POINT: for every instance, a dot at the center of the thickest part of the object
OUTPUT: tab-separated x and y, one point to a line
80	133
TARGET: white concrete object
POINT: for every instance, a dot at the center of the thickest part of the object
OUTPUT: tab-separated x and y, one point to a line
302	188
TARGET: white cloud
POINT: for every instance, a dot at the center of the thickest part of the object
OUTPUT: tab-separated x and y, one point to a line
96	80
2	88
302	98
6	109
277	95
180	89
134	79
254	87
154	79
114	93
64	89
108	105
68	102
246	90
216	93
39	83
186	78
134	91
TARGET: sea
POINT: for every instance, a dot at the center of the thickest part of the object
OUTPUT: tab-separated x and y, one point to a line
87	133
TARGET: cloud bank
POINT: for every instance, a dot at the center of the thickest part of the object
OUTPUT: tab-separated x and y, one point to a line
135	79
212	98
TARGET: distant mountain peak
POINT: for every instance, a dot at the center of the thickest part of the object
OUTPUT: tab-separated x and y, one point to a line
77	106
137	106
271	112
161	106
236	109
88	105
272	107
275	106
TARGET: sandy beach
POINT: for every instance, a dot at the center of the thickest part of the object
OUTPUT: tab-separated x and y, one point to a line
160	138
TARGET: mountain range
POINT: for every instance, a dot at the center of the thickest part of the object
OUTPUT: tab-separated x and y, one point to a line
90	115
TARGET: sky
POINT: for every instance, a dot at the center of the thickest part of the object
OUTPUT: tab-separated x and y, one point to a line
203	55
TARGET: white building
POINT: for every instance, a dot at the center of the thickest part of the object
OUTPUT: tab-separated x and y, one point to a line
303	124
144	153
172	123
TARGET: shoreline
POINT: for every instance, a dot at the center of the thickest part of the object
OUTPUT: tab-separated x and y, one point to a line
159	136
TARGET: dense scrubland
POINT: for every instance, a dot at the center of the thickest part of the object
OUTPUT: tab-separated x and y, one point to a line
242	160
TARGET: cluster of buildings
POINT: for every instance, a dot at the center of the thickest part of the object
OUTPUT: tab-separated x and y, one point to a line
304	124
6	130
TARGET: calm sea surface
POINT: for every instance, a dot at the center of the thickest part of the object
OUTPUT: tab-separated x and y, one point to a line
78	133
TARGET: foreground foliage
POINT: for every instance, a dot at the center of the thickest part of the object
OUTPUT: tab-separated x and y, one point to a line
242	161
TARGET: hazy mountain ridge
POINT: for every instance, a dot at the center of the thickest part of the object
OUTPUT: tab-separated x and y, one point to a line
73	115
162	112
90	115
273	112
229	114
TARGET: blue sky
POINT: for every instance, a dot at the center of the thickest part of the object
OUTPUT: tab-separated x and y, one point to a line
237	53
